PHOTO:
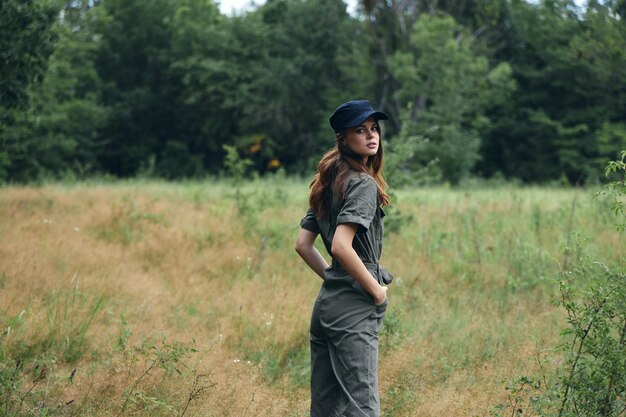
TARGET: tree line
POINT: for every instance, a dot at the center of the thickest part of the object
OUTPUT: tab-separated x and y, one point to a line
533	91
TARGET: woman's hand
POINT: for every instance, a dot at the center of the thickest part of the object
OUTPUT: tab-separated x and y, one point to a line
381	297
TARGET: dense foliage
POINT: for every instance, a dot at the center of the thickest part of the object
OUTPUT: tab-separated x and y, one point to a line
506	88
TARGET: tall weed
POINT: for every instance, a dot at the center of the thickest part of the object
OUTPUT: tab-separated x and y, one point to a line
585	375
31	350
127	223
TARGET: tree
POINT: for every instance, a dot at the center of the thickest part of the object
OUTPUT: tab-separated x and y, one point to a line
133	61
570	68
203	65
445	90
294	80
26	40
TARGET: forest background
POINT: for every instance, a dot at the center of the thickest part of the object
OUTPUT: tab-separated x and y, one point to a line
534	92
185	298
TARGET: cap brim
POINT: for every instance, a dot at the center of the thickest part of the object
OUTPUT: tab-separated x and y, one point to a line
378	115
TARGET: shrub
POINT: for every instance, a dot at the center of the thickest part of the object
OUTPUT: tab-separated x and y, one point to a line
587	376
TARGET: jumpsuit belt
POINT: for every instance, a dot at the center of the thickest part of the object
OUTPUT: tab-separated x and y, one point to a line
372	266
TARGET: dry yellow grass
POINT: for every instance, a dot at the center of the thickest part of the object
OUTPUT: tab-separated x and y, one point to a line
193	264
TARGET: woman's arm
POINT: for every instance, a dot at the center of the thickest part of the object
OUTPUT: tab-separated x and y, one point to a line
309	253
343	251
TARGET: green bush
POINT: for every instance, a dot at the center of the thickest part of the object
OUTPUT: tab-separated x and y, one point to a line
586	374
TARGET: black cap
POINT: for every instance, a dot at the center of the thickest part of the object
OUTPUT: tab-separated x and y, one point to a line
353	113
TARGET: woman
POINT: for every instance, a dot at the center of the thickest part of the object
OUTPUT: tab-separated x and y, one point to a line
345	209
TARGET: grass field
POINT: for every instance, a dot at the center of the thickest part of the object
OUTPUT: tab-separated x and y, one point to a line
163	299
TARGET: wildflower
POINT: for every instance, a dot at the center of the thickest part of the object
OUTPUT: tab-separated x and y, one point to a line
256	146
47	221
273	164
77	229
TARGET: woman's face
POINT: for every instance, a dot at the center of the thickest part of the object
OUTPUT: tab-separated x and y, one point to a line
364	139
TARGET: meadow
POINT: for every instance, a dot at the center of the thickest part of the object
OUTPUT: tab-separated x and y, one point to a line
147	298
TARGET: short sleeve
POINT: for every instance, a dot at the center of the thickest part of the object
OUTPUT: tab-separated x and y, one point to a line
360	203
309	222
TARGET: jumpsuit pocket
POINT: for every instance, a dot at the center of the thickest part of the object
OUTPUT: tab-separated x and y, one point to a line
381	308
376	317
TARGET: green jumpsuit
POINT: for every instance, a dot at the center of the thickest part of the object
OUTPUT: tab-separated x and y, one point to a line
345	321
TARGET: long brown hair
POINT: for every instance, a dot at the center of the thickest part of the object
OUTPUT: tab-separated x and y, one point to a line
333	169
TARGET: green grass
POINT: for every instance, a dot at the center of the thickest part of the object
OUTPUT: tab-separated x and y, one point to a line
169	263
